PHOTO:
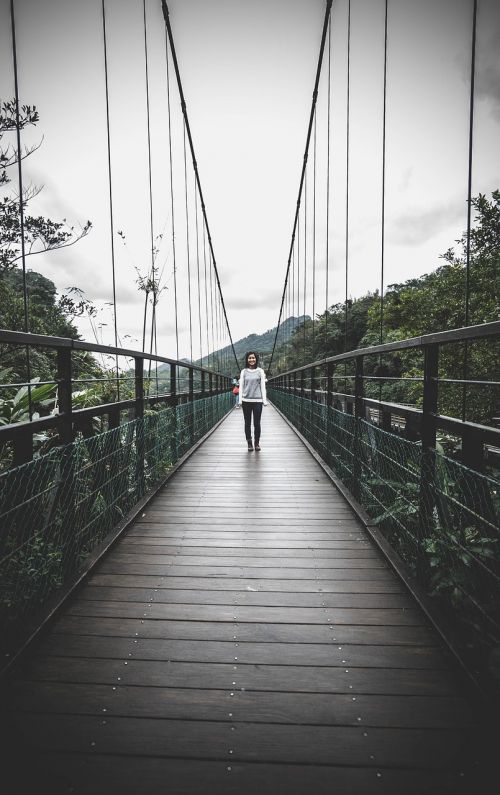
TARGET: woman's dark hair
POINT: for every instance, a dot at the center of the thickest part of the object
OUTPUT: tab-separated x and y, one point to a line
247	354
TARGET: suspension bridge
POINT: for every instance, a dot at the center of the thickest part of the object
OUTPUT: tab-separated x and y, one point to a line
181	614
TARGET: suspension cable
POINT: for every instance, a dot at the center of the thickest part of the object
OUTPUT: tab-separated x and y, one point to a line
198	264
195	165
469	175
110	193
150	185
314	245
297	262
211	307
327	264
305	265
347	169
469	202
187	250
21	202
384	115
172	200
206	294
314	98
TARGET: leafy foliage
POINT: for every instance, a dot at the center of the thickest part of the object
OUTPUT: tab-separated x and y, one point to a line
430	303
18	229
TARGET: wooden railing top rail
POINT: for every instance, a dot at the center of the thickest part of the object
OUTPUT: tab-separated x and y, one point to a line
484	330
58	343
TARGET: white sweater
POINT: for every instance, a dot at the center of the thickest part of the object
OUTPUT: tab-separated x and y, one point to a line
262	386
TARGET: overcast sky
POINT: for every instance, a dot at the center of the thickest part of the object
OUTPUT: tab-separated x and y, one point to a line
248	71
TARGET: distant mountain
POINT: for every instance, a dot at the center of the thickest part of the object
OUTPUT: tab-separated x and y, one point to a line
261	343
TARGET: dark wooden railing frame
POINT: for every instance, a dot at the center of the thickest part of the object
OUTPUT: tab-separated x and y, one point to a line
421	423
69	421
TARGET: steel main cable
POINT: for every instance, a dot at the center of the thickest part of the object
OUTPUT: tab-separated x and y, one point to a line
308	138
166	17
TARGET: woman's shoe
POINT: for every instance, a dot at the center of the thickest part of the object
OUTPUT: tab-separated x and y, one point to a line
250	446
257	446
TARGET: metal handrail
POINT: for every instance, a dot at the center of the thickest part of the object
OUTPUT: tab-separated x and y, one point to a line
69	420
421	423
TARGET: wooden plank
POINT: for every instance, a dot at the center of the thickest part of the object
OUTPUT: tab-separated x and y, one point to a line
149	565
388	585
247	653
264	743
273	678
285	547
158	517
328	709
140	531
98	774
243	551
228	597
286	633
246	613
341	530
240	559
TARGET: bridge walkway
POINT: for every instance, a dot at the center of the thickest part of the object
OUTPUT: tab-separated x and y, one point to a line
244	635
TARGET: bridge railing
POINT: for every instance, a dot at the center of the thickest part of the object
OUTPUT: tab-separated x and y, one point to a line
59	506
439	512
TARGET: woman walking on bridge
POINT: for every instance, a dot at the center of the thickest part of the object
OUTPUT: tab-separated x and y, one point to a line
252	397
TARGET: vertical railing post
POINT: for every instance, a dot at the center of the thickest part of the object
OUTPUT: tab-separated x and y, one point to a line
64	395
358	416
329	410
139	424
428	456
312	396
191	406
203	409
472	450
302	398
64	496
173	406
139	388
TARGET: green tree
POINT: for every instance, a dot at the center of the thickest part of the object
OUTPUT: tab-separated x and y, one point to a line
38	234
430	303
47	313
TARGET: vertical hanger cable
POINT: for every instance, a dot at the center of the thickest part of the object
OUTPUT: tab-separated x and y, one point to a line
469	204
110	194
150	185
308	138
21	203
187	249
172	201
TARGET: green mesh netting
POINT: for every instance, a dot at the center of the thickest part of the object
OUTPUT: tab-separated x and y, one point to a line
441	517
57	508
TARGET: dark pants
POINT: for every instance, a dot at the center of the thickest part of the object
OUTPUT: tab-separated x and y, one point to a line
248	410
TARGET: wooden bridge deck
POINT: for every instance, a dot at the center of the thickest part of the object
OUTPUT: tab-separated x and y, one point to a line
244	636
